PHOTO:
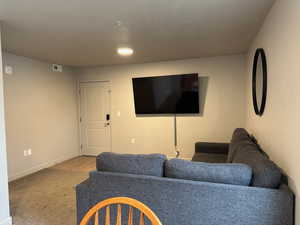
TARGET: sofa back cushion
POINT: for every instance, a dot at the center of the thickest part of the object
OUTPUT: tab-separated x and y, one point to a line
239	135
152	164
225	173
265	172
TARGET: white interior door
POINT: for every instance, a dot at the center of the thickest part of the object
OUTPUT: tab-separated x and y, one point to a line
95	118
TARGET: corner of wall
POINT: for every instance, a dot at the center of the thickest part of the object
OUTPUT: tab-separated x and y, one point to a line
4	202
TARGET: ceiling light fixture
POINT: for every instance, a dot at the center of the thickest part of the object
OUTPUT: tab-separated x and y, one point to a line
125	51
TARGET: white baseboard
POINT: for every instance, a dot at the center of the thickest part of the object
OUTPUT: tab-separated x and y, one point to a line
40	167
7	221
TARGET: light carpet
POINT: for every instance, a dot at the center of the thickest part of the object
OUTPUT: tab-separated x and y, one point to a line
48	196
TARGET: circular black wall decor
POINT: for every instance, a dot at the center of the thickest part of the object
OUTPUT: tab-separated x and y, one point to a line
259	81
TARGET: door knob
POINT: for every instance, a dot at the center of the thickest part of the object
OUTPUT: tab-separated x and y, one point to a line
106	124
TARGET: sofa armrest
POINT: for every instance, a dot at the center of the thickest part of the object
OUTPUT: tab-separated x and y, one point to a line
210	147
82	199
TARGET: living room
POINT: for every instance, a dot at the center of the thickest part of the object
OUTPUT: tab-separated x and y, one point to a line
48	71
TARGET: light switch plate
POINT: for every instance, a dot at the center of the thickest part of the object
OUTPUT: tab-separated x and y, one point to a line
8	70
57	68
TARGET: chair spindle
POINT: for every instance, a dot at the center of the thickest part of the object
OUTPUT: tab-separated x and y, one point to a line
97	218
130	216
142	222
119	215
107	216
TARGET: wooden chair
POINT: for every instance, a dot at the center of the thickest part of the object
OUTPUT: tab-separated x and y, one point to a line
132	203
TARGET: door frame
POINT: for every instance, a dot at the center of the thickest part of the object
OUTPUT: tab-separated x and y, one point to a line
79	111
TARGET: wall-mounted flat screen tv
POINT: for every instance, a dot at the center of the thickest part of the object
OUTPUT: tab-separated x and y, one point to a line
173	94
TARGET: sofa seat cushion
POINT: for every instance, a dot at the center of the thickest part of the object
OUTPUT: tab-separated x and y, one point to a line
225	173
265	172
152	164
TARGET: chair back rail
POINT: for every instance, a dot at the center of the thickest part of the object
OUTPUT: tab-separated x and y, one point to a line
144	211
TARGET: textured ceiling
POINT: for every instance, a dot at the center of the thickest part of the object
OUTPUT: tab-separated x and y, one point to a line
86	33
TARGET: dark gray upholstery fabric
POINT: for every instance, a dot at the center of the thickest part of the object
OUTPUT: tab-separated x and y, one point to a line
82	199
211	152
254	140
209	147
184	202
152	164
225	173
239	135
239	146
209	157
265	172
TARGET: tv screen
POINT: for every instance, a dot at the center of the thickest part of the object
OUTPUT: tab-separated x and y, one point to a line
174	94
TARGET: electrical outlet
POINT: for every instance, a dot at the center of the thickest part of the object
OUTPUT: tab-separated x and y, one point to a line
29	152
25	153
132	140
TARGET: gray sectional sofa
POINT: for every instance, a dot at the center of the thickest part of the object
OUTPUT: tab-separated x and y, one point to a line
231	184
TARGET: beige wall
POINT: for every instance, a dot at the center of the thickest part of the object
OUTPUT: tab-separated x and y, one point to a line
224	107
278	129
41	114
4	203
